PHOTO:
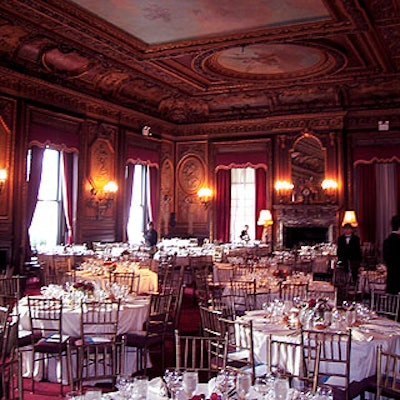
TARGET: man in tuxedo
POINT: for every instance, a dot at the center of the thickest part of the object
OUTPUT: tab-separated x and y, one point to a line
391	255
349	251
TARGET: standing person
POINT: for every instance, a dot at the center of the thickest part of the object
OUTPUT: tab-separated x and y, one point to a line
391	255
244	235
151	235
349	251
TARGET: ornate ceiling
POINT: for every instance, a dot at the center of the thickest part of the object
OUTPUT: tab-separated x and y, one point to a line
199	61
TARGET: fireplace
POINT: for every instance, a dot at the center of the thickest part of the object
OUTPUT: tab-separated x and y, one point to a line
298	224
295	236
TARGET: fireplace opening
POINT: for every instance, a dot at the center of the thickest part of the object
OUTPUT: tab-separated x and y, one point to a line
308	236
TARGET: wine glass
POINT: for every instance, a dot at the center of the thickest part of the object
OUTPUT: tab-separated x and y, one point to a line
190	382
243	385
225	382
261	386
281	387
124	385
173	380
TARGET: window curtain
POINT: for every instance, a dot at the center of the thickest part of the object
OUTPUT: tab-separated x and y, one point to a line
67	190
223	204
35	174
153	195
261	197
367	202
386	205
129	176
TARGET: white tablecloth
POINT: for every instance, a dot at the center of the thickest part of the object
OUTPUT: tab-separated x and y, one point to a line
365	340
132	316
148	279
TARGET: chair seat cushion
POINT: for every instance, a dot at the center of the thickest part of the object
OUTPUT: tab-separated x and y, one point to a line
141	339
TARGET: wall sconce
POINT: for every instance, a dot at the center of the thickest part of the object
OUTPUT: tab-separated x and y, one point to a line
330	187
284	190
3	178
265	220
350	218
205	194
102	200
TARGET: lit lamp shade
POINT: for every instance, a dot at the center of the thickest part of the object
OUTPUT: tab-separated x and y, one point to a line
350	218
265	218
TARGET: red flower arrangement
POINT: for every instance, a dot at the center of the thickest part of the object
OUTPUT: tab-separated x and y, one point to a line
280	273
84	286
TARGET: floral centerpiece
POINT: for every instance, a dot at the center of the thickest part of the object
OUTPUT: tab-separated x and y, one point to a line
280	274
86	287
314	311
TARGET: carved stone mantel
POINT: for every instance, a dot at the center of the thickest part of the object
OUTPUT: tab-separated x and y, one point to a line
307	216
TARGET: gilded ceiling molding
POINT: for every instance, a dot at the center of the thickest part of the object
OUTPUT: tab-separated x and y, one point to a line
40	91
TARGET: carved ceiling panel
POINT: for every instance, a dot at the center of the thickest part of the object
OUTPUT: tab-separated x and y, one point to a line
191	63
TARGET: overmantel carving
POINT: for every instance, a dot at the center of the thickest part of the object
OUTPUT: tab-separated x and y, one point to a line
301	215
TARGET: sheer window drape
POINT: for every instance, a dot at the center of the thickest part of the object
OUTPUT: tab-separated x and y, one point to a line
261	197
223	204
35	173
129	176
153	195
68	192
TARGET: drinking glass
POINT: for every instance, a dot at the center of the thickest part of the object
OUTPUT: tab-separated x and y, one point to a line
93	394
173	380
225	382
140	387
261	386
74	395
243	385
190	382
124	385
324	393
281	387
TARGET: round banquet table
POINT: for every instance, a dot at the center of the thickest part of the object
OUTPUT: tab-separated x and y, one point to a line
365	340
133	314
148	279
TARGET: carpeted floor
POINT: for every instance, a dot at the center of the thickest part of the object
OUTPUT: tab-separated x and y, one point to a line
189	324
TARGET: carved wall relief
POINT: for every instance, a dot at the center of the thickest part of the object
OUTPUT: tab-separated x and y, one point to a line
5	144
191	176
167	193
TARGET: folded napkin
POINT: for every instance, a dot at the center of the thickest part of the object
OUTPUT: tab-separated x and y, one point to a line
361	336
157	388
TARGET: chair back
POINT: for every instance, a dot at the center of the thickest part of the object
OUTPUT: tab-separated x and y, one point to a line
159	312
240	354
10	290
130	280
99	321
388	374
334	361
210	321
288	291
45	316
292	360
386	304
205	354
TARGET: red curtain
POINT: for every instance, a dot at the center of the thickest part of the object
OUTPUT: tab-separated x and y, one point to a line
223	205
68	201
261	197
367	202
33	191
398	187
153	180
129	176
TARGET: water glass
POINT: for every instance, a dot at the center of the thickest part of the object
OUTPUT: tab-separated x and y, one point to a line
74	395
93	394
243	385
173	379
324	393
261	386
124	385
140	387
190	382
281	387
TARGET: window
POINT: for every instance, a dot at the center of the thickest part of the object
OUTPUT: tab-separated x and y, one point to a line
243	202
139	211
48	223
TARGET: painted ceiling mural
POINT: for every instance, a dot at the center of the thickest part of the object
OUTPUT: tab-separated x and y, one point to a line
172	20
176	64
